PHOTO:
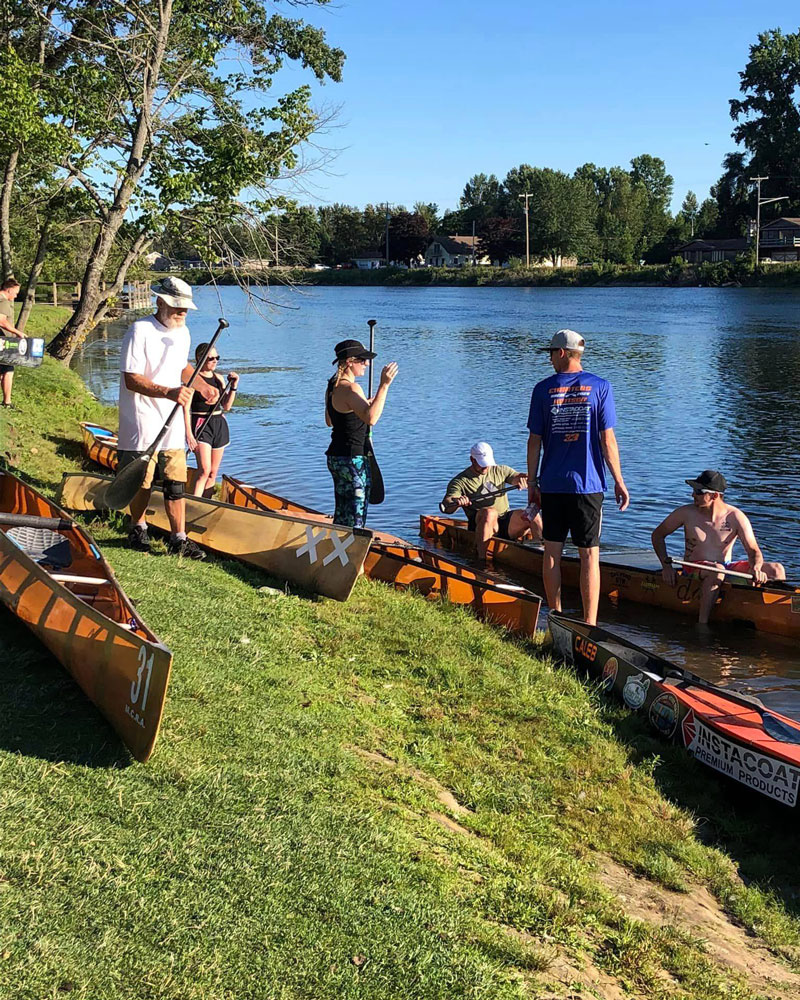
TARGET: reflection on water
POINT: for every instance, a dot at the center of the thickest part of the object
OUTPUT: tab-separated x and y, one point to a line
703	378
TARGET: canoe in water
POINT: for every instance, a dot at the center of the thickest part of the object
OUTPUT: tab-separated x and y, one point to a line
325	559
54	579
772	608
732	733
392	560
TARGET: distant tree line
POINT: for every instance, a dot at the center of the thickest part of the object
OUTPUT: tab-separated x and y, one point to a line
124	128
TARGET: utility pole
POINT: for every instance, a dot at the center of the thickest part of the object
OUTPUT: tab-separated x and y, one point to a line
387	233
276	244
526	196
759	202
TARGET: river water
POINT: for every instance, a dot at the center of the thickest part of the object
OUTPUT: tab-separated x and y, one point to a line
703	378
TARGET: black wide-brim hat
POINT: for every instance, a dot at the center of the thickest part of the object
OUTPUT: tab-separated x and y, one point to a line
710	480
351	349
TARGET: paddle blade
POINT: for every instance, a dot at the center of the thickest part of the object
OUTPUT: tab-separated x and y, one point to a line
127	483
377	493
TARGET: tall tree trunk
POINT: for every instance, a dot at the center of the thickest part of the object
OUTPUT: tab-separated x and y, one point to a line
33	277
65	342
119	279
5	214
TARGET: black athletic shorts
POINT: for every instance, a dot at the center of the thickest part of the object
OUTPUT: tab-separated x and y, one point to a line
576	514
502	524
5	369
216	433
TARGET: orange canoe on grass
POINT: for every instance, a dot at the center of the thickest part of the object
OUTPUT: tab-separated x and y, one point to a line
392	560
634	577
54	579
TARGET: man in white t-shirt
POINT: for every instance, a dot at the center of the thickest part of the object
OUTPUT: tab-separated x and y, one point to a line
153	367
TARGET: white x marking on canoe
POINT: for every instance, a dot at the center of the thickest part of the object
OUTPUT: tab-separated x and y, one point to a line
338	550
312	541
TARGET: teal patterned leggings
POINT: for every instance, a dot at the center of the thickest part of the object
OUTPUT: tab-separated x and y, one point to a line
351	484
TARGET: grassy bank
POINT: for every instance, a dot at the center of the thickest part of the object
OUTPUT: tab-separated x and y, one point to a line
378	799
675	274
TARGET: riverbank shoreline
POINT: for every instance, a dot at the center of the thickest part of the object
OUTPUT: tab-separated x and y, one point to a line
372	799
676	274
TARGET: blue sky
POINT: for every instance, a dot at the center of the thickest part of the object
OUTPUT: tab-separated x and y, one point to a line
437	91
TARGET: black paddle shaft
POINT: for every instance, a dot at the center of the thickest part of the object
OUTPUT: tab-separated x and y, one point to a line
488	498
223	324
220	402
371	324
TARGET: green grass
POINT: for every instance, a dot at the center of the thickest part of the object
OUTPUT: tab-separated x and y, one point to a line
287	838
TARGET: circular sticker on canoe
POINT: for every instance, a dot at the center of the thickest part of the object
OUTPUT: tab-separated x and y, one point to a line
664	713
610	668
635	691
22	346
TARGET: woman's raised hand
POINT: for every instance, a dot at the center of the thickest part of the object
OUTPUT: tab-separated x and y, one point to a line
388	373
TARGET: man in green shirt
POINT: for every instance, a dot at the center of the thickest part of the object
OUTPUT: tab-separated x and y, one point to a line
472	490
8	292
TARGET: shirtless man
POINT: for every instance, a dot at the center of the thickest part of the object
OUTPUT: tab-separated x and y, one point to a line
710	528
487	517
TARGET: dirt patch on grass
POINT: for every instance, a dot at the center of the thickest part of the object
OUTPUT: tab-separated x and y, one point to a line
443	795
699	914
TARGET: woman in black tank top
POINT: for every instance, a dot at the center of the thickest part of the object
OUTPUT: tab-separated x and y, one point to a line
208	433
350	414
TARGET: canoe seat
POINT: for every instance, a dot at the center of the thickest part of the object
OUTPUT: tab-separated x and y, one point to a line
47	548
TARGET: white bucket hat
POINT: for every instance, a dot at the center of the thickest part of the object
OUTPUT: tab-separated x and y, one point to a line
175	292
482	453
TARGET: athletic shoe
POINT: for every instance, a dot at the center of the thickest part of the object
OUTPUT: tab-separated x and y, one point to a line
139	539
185	547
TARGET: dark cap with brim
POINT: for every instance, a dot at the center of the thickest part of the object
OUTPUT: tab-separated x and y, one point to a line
710	480
352	349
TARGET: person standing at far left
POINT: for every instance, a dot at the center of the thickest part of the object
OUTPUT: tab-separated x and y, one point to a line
8	293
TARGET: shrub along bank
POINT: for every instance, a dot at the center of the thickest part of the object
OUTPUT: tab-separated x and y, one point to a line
375	799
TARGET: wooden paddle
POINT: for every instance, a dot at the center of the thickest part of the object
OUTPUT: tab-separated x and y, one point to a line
128	481
377	491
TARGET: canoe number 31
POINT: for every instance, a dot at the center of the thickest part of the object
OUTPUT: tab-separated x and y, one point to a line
141	686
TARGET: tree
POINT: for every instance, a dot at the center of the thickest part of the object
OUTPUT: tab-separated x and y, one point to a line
707	217
768	116
429	211
500	239
650	173
171	128
733	198
453	224
408	236
342	233
689	210
480	199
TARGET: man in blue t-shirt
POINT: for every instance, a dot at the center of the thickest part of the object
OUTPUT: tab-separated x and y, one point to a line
571	424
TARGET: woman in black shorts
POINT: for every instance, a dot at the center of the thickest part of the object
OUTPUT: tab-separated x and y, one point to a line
209	428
